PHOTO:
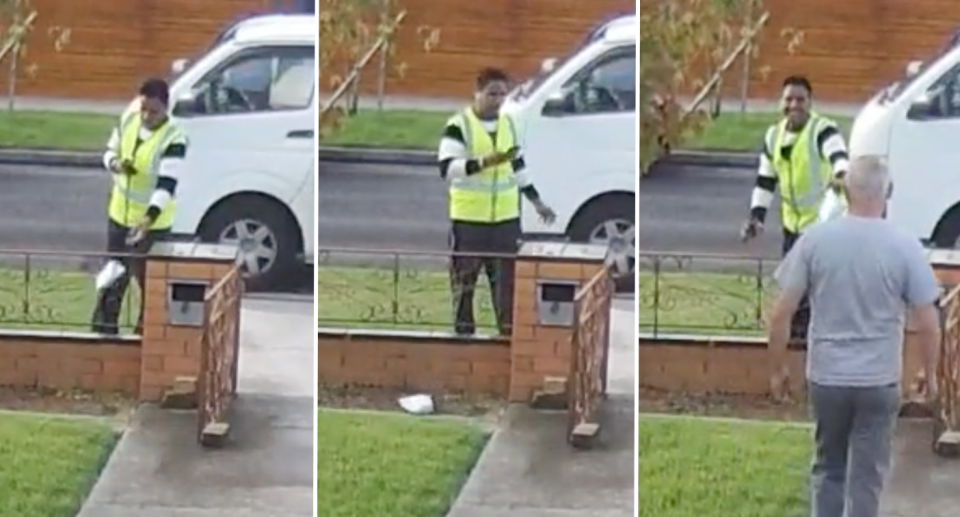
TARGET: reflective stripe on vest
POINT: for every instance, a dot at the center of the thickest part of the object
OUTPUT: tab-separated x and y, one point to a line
130	197
803	179
490	196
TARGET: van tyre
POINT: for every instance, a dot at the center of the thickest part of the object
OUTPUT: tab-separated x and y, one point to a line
261	224
606	215
947	232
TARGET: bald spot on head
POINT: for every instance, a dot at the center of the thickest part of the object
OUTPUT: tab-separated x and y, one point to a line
868	180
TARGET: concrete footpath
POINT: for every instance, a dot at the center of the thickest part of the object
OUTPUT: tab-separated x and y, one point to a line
921	483
529	470
159	470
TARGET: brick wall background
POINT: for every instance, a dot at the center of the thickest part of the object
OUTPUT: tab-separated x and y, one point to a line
850	49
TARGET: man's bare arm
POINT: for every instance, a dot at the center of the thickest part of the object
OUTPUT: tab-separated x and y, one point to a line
778	325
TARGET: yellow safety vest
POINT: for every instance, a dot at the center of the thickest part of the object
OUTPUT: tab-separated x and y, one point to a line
492	195
131	194
804	178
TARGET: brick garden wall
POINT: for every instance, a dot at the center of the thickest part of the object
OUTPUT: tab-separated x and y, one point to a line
141	367
65	361
413	362
731	365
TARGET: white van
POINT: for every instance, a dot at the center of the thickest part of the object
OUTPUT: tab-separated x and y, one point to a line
247	106
577	128
915	125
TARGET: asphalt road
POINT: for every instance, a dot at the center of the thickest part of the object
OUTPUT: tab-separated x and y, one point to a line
681	209
701	210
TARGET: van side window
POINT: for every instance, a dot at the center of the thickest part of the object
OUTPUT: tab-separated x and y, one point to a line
608	85
258	80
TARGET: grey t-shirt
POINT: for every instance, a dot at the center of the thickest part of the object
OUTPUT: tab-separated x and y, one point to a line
860	275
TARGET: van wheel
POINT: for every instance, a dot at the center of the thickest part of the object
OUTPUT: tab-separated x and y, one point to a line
610	221
947	233
266	235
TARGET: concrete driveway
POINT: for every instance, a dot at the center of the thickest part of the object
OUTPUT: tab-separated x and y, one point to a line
159	470
529	470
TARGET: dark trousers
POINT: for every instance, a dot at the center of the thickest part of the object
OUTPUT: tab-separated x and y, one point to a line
110	300
801	320
466	238
854	434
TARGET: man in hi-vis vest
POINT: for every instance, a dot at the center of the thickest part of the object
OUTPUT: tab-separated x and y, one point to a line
804	155
145	156
480	158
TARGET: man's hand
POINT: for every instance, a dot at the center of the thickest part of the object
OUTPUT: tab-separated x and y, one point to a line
119	166
751	229
930	389
497	158
837	183
547	215
115	165
138	232
780	384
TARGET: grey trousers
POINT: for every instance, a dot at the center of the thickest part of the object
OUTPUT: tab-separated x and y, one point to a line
854	432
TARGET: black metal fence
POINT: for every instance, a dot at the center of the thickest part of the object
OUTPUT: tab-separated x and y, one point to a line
703	294
55	291
413	290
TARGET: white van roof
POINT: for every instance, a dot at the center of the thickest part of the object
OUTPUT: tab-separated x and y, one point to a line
285	27
622	30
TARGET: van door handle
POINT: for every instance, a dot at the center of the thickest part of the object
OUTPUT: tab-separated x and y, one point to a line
300	133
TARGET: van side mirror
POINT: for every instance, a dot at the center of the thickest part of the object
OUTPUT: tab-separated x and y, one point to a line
557	106
926	107
185	106
921	109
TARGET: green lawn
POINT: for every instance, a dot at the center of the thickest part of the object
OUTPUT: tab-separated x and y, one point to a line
696	467
49	464
704	303
392	465
407	129
54	300
408	298
744	131
419	299
55	130
400	129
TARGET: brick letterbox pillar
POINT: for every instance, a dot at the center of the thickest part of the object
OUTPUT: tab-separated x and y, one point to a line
548	274
178	276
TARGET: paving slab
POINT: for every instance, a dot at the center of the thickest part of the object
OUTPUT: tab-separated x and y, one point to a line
267	468
529	470
921	483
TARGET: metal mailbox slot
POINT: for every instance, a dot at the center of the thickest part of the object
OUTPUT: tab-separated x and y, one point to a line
555	302
185	302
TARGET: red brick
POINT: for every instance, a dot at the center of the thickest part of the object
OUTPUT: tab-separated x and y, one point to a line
152	363
180	365
166	347
190	271
551	366
550	270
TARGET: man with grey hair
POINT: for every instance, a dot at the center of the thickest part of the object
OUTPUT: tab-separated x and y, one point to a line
863	276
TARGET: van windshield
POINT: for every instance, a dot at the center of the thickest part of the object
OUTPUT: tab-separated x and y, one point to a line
894	91
529	86
223	37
